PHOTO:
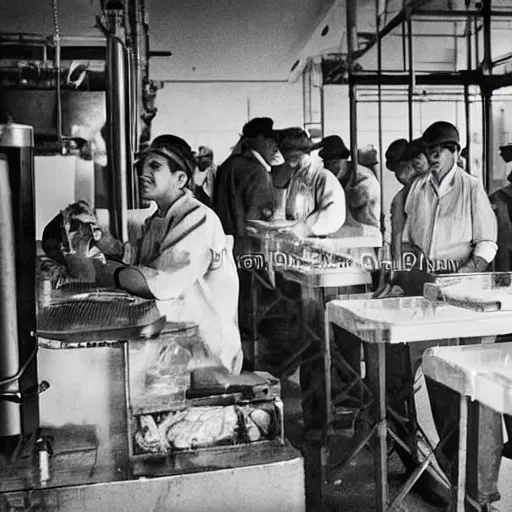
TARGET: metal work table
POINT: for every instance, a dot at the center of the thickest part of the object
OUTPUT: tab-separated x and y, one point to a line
319	282
404	320
480	374
85	413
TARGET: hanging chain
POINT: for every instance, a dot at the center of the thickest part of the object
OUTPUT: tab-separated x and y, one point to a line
56	29
56	40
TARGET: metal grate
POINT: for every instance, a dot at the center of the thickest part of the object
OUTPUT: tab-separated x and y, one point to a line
83	313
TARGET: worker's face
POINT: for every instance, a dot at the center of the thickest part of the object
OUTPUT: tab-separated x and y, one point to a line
420	164
405	172
333	165
440	158
203	162
268	149
158	180
296	160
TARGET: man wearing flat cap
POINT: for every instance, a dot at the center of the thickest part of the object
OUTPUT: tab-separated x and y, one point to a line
450	225
243	186
360	184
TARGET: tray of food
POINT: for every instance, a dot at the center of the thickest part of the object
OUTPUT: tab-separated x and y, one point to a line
490	291
159	435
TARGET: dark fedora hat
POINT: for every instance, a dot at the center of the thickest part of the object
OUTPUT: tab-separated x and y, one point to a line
333	147
396	153
259	126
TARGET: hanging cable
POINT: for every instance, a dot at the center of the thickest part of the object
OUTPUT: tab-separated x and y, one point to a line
57	59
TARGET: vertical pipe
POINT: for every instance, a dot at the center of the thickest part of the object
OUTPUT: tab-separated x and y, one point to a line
18	144
412	84
322	110
487	94
379	86
117	122
467	106
404	47
351	47
10	419
304	98
131	127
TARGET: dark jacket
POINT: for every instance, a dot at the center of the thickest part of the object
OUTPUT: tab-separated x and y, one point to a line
502	205
243	191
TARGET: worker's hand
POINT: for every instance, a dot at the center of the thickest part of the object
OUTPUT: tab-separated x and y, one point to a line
474	264
128	253
302	230
104	272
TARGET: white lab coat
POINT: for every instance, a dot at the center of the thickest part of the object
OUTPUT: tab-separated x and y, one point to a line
451	221
188	265
315	196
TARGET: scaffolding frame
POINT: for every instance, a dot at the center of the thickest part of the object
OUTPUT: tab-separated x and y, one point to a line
482	76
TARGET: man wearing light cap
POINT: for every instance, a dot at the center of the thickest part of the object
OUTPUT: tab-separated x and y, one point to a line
450	222
204	176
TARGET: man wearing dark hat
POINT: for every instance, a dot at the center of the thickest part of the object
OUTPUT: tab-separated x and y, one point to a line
450	223
360	185
243	186
407	160
449	216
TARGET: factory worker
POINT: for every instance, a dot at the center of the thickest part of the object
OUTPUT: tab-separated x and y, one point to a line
449	218
501	201
204	175
360	184
243	187
183	258
368	157
314	197
465	226
407	160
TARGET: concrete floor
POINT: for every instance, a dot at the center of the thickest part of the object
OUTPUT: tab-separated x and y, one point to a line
354	491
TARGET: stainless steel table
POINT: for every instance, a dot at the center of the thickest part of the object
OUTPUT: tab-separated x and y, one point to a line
405	320
480	374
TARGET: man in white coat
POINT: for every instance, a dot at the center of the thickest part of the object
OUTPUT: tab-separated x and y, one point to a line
450	225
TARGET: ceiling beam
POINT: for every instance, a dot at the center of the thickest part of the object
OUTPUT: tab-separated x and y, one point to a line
394	23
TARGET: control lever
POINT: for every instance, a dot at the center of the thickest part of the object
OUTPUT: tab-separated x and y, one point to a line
17	397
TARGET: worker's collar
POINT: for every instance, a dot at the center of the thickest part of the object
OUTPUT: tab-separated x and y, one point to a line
446	182
163	213
261	160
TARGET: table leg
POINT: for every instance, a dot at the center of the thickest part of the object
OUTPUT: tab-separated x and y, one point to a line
463	439
376	355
